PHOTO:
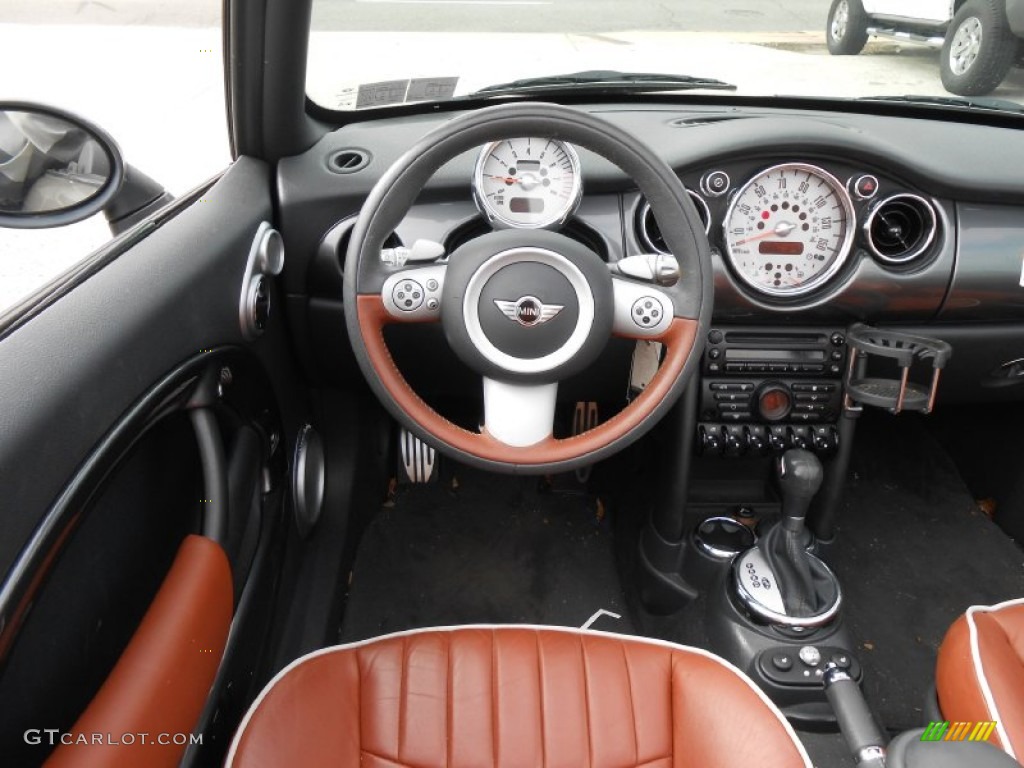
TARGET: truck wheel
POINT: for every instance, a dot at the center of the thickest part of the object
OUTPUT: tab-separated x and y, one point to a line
847	28
979	49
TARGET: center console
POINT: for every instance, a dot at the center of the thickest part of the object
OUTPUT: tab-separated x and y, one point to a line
764	390
755	470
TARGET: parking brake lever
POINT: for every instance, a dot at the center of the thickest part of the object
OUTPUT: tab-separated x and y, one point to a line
862	734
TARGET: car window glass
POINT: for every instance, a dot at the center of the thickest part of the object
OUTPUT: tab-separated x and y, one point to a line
149	72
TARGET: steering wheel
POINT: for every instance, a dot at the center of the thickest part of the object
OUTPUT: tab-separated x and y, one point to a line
526	308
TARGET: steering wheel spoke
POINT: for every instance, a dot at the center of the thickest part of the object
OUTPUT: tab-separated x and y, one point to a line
642	310
519	415
414	295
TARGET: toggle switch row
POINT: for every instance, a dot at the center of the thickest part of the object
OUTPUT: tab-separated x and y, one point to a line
762	439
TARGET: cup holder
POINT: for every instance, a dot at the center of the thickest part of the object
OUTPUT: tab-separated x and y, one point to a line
907	351
722	538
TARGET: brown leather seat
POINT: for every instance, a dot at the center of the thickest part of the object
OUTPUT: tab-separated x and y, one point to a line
513	696
980	675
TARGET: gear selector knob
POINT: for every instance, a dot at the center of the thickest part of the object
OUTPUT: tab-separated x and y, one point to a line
800	476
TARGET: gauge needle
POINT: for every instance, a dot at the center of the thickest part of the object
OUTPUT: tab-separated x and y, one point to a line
782	229
506	179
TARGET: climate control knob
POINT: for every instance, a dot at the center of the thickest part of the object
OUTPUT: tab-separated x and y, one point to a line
773	401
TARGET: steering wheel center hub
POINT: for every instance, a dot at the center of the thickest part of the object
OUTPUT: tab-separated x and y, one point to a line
528	309
526	305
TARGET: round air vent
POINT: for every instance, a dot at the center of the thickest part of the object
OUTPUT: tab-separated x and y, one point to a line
900	228
348	160
649	232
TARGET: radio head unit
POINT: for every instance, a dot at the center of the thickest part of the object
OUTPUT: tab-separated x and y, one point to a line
772	381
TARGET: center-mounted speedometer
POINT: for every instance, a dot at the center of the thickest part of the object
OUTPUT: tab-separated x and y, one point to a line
789	229
527	183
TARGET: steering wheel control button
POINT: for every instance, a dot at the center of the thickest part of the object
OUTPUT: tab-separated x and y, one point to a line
415	294
715	183
647	311
408	295
640	311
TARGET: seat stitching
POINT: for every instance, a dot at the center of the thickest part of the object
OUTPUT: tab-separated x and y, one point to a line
384	758
494	703
982	680
632	709
586	702
449	707
672	702
541	709
359	701
401	701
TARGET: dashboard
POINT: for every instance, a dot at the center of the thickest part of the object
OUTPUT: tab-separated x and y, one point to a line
816	220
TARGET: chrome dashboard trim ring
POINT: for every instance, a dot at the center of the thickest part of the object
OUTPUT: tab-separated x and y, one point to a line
843	252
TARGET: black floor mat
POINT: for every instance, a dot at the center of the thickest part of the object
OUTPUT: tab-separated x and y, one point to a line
484	549
913	551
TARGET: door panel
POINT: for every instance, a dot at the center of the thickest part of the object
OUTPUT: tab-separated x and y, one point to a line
99	467
71	371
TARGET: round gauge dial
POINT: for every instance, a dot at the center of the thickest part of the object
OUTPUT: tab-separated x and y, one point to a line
527	183
789	229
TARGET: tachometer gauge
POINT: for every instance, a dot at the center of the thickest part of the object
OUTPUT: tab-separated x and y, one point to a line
527	183
789	229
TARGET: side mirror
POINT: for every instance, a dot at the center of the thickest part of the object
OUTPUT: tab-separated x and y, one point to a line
55	168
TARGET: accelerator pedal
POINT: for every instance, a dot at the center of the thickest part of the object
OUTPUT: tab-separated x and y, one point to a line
418	463
585	417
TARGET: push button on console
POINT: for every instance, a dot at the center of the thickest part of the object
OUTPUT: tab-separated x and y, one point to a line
782	662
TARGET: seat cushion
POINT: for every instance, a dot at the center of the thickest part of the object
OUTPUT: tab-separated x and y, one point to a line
513	696
980	673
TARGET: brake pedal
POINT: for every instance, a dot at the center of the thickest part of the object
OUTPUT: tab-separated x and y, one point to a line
585	417
417	462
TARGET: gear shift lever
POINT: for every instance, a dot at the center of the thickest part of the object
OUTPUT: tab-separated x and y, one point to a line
793	587
800	477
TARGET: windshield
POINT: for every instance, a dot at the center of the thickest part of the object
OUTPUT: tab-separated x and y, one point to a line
372	53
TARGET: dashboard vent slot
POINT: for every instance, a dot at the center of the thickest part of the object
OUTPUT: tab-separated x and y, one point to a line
693	122
649	232
900	228
348	160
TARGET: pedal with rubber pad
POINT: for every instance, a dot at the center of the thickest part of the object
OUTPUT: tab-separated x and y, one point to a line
418	463
585	417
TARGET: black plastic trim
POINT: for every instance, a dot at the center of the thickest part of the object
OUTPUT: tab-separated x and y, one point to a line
945	114
52	292
28	573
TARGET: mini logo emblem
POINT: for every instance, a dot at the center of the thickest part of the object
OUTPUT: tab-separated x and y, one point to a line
528	311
